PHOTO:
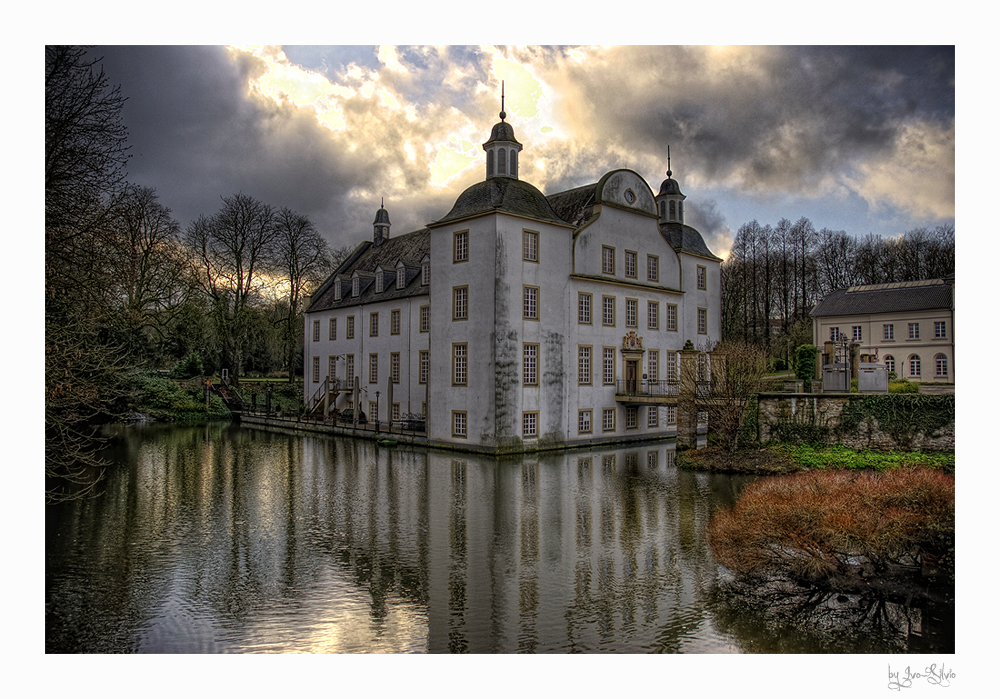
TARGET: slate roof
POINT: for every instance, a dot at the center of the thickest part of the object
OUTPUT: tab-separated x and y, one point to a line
575	206
887	298
502	194
684	238
409	248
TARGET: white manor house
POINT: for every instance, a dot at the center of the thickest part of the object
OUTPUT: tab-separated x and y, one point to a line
520	321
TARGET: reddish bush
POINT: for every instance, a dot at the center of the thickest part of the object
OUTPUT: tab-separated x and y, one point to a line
821	524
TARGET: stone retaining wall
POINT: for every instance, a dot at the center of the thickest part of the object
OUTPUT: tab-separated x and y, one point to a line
817	418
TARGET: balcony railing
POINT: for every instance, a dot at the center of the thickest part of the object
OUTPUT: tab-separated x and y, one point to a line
639	387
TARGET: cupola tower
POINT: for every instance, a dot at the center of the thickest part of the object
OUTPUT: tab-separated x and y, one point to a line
502	149
670	200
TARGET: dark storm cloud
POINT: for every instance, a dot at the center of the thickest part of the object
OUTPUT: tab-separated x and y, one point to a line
764	117
196	136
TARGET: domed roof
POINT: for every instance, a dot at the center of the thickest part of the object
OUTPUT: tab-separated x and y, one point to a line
670	186
381	216
502	194
502	131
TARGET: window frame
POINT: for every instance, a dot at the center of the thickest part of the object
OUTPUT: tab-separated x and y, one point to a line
395	321
373	367
589	308
580	365
856	333
607	256
605	414
703	321
373	324
460	302
653	268
423	366
652	314
940	330
315	369
529	416
460	246
631	313
653	365
457	417
605	308
631	256
940	364
913	361
608	368
671	311
529	245
316	330
889	331
529	351
589	429
652	416
913	331
631	417
701	276
350	368
460	363
333	330
890	362
394	367
425	319
529	302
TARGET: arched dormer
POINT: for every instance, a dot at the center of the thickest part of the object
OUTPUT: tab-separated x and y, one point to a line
502	149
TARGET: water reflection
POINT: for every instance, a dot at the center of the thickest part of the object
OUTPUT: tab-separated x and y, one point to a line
222	539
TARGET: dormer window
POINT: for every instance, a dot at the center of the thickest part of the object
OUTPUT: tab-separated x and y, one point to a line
379	281
400	277
337	292
425	274
356	287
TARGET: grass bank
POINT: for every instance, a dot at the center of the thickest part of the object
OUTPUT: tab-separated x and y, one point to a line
788	458
167	400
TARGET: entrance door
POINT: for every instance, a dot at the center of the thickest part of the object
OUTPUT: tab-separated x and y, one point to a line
631	369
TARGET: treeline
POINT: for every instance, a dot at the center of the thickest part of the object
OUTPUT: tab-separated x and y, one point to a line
127	289
775	275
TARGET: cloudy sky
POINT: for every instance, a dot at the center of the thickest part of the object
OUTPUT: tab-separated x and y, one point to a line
856	138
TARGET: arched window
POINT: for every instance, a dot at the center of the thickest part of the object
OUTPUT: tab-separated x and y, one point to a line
914	365
663	209
489	163
673	210
502	161
513	163
890	363
940	365
680	210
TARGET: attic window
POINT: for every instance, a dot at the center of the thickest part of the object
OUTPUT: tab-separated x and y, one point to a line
425	274
379	282
356	286
336	290
400	277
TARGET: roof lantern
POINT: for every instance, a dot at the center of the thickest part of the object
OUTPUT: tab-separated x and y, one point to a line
502	149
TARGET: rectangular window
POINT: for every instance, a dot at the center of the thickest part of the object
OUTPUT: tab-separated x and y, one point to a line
394	367
425	319
425	365
461	250
671	415
701	277
332	367
315	331
333	328
350	327
607	260
608	309
584	421
583	366
888	331
425	274
671	317
653	315
653	365
530	365
395	412
379	281
914	331
630	264
372	368
835	334
356	286
460	364
373	330
608	420
856	333
631	417
583	308
531	246
459	423
400	277
939	329
350	371
460	303
702	321
394	316
652	268
631	313
671	366
373	410
529	424
914	365
940	365
531	303
315	369
653	416
652	459
609	366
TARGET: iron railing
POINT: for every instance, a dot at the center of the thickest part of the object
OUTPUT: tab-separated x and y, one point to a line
641	387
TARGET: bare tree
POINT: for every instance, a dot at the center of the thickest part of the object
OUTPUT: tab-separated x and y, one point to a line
737	371
233	251
302	257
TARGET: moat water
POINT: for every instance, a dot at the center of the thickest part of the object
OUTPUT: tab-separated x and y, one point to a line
228	539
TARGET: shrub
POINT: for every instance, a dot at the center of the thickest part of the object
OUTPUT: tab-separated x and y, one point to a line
904	386
805	364
825	524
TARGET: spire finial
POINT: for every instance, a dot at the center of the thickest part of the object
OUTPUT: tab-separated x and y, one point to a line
383	202
503	114
669	173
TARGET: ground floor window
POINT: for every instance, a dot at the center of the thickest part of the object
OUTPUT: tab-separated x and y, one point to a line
653	416
459	423
671	415
652	459
530	424
608	419
914	365
584	422
940	365
315	369
890	363
631	417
